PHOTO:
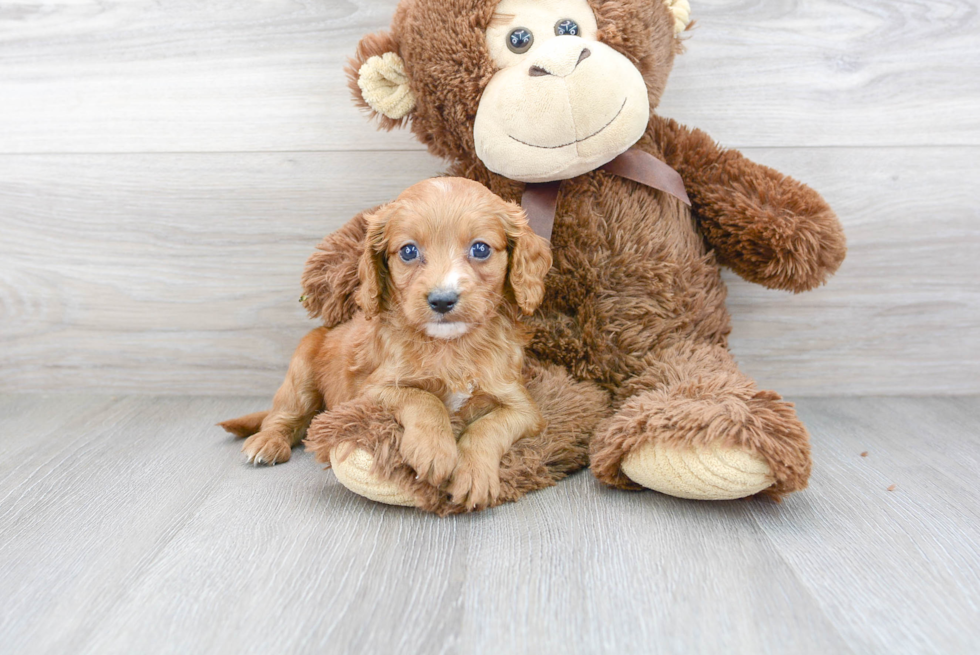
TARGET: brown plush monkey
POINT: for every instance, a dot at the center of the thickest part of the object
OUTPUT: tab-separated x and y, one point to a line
629	355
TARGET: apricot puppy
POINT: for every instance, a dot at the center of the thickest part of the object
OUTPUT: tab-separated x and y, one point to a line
447	270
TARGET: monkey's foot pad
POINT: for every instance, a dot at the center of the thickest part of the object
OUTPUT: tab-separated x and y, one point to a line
354	472
710	473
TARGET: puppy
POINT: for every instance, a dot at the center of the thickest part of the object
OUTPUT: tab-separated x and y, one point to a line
447	270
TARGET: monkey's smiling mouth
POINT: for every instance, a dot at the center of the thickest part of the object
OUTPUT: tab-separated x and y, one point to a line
572	143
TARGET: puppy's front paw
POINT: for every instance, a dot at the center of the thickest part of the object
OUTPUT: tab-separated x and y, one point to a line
267	447
475	485
432	458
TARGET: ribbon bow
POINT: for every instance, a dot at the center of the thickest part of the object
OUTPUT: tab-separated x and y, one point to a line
540	200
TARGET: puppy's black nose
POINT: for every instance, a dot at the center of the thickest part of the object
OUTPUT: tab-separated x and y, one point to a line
443	301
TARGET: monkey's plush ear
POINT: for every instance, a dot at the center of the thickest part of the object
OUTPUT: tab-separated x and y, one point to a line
377	77
372	271
530	260
681	10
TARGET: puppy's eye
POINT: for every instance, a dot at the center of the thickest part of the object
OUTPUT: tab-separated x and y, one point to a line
519	40
480	250
409	252
566	26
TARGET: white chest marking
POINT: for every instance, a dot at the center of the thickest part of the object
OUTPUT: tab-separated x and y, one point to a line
455	401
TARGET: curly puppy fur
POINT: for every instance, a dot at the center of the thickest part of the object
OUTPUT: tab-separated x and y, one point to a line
635	301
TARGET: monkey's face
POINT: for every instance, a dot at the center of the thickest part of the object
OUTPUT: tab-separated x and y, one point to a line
561	103
535	90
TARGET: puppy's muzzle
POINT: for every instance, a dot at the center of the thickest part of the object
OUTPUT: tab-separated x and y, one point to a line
443	302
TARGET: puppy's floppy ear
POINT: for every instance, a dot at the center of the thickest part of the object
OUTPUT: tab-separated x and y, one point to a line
372	270
330	277
530	259
377	77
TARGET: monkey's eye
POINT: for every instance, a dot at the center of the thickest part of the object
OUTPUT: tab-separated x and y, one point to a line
480	250
409	252
566	26
519	40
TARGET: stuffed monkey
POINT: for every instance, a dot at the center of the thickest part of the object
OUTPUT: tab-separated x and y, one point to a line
553	103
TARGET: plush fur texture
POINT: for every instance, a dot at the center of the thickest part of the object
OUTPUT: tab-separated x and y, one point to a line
634	302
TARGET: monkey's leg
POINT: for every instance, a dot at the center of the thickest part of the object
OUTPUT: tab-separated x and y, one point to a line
693	426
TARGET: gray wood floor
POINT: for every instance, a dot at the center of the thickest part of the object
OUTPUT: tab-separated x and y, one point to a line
129	524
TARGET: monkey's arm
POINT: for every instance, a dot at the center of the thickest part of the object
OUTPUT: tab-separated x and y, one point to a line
765	226
330	276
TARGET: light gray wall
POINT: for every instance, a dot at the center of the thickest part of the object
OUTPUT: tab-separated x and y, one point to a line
165	169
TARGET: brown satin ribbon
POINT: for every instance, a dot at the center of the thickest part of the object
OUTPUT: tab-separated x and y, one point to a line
541	200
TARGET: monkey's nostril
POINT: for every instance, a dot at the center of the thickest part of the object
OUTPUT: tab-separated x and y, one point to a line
539	71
